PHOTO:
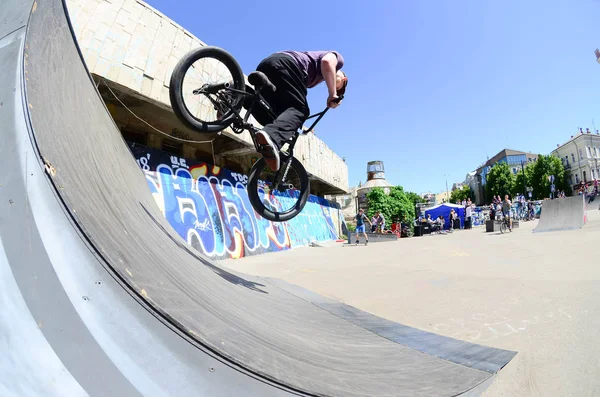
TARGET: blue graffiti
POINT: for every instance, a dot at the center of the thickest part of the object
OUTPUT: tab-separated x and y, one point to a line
210	209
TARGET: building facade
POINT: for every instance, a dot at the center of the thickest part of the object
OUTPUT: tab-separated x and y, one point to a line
580	155
131	49
515	160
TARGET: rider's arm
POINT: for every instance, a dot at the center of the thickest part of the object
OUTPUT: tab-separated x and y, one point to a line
328	69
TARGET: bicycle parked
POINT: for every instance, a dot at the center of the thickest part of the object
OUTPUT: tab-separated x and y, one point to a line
276	195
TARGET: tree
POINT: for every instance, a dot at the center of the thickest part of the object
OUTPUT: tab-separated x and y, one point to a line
415	198
499	181
378	202
397	206
543	167
458	195
518	187
403	208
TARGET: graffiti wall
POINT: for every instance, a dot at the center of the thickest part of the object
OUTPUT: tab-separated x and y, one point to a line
209	207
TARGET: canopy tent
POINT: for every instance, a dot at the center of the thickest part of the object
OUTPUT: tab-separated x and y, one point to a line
444	209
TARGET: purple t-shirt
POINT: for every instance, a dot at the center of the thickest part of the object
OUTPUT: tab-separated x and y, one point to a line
310	64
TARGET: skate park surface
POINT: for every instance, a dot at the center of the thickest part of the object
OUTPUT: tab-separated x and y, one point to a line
101	297
534	293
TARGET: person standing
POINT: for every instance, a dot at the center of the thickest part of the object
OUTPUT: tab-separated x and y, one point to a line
360	225
506	206
380	221
468	209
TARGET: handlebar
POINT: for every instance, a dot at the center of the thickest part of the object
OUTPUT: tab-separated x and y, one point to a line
320	115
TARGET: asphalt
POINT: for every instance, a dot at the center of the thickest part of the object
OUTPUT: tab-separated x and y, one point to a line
534	293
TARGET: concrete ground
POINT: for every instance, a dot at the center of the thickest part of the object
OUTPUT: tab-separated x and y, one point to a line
537	294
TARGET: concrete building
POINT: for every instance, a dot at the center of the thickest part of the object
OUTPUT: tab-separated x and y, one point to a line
131	49
513	158
580	155
375	178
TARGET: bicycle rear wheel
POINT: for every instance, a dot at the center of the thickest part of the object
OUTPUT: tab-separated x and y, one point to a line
203	89
278	196
503	227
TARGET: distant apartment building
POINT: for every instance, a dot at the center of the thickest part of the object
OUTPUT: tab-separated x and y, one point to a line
580	155
515	160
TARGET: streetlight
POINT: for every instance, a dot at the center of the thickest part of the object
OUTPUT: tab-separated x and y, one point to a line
447	195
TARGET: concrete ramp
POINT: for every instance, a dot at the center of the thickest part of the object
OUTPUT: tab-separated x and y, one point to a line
100	296
562	214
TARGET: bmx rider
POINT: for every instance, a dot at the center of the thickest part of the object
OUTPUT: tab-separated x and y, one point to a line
292	73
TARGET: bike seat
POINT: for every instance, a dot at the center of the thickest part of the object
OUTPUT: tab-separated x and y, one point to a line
260	81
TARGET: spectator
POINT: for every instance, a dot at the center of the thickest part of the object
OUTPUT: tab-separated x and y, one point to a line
468	209
360	225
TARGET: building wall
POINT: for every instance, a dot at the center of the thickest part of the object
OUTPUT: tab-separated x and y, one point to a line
581	156
209	207
132	44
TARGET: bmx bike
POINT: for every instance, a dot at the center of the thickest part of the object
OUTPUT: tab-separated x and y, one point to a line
505	225
277	196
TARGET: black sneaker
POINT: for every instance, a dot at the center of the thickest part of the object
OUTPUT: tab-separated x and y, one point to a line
268	149
367	242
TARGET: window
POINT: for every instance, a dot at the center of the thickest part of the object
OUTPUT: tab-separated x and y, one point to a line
172	147
580	154
567	160
595	151
576	178
573	157
584	177
588	151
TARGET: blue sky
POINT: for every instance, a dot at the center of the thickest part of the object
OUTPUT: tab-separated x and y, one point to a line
435	87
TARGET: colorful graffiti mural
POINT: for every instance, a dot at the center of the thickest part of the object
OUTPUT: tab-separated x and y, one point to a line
209	207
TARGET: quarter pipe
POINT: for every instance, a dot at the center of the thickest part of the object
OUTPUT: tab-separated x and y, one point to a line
567	213
101	297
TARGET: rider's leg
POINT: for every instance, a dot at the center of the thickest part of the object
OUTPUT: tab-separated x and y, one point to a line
288	102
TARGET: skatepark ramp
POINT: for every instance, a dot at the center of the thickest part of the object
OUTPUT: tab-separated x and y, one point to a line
101	297
566	213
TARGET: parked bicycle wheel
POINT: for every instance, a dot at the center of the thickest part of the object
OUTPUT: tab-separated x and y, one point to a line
204	89
278	196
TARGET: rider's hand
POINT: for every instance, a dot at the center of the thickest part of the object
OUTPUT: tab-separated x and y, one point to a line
332	101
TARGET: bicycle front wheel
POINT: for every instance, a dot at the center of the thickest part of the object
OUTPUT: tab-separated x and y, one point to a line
503	227
278	196
204	89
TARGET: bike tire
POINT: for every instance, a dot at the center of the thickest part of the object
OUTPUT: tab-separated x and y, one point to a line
176	89
257	202
502	228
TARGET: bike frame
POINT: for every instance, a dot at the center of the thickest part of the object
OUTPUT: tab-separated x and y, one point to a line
242	122
257	98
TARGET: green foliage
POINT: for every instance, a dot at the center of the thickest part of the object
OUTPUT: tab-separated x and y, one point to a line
378	201
461	194
544	167
518	187
351	227
397	206
499	181
403	208
415	198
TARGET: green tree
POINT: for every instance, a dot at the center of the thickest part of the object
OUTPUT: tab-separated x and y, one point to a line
403	208
461	194
415	198
499	181
543	167
528	177
395	206
378	201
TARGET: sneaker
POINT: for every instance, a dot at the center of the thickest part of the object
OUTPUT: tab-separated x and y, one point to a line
356	242
367	242
268	149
